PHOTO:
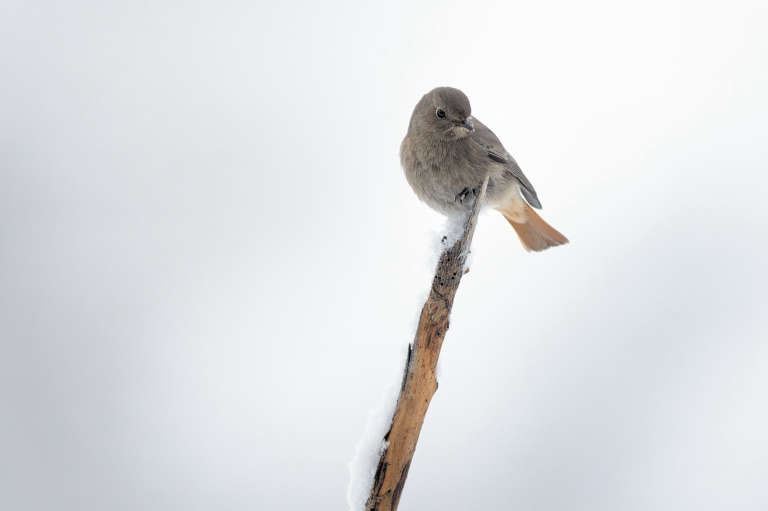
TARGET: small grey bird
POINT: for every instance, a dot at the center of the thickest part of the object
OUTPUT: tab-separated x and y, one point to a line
446	155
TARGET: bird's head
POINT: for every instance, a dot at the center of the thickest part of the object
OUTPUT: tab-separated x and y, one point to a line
444	112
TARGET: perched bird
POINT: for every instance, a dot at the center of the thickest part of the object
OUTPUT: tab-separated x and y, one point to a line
446	155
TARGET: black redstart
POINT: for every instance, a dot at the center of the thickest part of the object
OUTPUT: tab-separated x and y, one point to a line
446	155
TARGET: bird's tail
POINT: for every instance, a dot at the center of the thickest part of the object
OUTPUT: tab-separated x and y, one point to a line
534	233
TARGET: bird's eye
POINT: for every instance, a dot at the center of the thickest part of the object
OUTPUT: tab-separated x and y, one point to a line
440	113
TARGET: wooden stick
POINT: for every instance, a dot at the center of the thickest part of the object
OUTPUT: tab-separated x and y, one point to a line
419	383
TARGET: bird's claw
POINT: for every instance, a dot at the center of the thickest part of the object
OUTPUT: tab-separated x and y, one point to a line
466	193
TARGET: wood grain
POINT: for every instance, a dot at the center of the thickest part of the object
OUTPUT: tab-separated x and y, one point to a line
419	382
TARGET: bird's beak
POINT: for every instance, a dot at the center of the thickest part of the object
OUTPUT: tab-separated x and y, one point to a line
468	124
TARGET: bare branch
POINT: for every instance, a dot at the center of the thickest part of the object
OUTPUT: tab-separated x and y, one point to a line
419	382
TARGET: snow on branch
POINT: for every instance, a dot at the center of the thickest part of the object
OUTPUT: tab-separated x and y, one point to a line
419	382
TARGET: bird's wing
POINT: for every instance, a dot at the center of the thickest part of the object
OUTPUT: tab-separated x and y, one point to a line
490	143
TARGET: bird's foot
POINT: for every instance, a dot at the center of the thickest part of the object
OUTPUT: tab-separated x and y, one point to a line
467	195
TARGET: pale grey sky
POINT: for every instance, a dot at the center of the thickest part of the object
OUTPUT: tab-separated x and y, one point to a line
211	261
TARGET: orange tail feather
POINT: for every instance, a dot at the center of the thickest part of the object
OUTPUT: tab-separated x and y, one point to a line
534	233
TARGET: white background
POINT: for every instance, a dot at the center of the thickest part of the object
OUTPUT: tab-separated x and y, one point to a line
211	262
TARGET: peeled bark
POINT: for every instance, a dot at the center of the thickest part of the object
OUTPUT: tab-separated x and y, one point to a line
419	382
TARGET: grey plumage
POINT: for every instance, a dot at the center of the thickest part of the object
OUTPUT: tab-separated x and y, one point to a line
442	157
488	141
446	155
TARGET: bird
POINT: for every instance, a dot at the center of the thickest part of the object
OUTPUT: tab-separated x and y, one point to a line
447	153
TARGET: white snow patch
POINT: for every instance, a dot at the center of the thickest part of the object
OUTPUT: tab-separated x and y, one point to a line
362	468
452	230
